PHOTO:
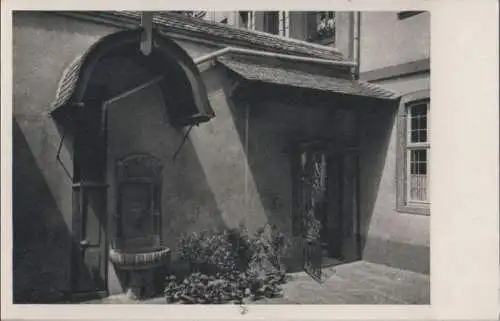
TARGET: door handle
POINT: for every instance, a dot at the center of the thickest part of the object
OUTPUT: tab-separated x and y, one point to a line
86	244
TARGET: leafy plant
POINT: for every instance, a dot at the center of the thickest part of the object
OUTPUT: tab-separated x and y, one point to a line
207	251
326	28
229	265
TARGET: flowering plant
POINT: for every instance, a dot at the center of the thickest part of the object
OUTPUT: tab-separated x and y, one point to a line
326	28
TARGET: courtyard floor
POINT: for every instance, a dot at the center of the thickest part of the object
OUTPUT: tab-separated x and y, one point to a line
352	283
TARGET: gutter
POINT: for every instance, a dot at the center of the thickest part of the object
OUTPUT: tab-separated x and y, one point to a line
229	50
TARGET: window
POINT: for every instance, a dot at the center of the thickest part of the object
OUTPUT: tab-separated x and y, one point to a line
271	22
325	27
277	23
407	14
417	146
413	162
247	20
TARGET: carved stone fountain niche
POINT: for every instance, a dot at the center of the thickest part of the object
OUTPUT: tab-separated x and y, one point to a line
137	248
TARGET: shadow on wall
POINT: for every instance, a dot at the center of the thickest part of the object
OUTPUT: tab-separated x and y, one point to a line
268	130
268	164
190	204
41	240
375	135
265	149
138	125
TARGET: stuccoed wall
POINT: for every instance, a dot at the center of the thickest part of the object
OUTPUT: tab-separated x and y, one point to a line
44	44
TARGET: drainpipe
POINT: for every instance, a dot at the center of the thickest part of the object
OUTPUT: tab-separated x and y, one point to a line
351	46
357	41
260	53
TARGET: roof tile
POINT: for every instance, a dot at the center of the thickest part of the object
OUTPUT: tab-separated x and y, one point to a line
296	78
173	21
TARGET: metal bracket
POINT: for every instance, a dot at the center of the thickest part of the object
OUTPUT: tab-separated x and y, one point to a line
58	158
182	143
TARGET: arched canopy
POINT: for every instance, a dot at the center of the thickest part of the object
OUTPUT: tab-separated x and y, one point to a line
89	77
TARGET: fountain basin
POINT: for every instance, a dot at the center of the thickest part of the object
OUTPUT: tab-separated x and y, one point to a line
139	260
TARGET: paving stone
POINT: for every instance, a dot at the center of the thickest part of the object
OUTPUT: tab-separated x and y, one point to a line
352	283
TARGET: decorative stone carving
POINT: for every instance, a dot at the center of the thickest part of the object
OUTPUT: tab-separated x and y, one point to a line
139	166
138	247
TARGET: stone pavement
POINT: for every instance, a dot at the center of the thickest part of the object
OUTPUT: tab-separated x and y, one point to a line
352	283
359	283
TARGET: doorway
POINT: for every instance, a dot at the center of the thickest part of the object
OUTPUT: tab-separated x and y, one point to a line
89	254
328	202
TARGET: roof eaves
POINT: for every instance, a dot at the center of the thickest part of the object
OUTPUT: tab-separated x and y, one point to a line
256	72
222	34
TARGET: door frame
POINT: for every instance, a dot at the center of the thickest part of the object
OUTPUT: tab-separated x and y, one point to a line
331	147
81	184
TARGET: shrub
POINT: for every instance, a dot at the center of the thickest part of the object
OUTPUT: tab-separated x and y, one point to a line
207	252
229	265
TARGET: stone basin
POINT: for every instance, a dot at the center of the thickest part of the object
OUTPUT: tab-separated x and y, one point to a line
141	266
139	259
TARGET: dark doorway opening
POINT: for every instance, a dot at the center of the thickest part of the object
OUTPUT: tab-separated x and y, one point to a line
327	198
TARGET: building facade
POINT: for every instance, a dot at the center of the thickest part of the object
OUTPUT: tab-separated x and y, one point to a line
118	151
392	49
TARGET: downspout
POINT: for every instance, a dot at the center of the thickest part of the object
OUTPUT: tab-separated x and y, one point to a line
357	41
357	59
351	46
247	198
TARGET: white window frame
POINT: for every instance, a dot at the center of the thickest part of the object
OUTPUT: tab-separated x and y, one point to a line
411	146
404	202
250	20
284	24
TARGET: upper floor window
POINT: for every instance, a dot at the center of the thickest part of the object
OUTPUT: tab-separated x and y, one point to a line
271	22
247	19
413	171
325	27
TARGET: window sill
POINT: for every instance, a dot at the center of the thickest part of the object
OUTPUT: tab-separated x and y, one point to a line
414	209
